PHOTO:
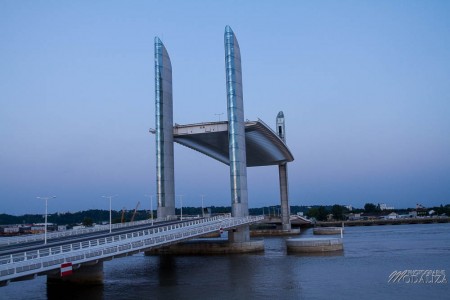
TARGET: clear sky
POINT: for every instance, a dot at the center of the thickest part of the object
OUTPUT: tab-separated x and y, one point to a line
364	86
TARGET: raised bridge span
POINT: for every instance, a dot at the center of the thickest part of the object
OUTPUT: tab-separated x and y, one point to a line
28	258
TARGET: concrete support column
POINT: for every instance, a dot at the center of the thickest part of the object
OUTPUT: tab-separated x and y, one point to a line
236	133
282	170
165	182
285	209
90	274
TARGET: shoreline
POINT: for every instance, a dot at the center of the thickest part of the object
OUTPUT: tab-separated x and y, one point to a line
381	222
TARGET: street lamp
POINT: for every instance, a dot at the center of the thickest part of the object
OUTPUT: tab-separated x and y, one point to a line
151	206
181	202
110	218
46	206
219	115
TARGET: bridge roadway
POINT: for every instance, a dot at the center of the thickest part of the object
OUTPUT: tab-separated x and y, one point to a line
28	259
39	238
23	245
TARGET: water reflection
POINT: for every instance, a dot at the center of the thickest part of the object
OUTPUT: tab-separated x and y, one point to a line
167	270
74	291
318	254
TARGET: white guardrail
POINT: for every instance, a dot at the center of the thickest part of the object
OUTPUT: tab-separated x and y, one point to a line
47	259
52	235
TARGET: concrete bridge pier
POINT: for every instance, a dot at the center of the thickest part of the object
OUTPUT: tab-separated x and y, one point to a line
86	274
285	209
241	234
283	176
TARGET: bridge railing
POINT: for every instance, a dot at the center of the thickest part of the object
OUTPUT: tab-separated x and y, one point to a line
95	242
70	232
42	260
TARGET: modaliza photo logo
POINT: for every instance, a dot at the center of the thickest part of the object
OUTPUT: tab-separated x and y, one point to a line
418	277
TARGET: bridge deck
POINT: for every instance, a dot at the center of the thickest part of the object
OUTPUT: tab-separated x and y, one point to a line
28	264
263	146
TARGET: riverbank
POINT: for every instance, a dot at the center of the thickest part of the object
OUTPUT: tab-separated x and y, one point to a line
401	221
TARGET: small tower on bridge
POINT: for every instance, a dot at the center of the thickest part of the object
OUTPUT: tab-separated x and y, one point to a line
281	127
283	175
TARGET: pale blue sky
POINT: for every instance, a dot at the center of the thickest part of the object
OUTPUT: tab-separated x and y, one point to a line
364	85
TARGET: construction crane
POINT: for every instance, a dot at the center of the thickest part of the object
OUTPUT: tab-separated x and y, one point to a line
135	210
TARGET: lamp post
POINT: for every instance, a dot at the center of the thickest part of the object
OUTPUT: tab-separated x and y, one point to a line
219	115
45	225
151	206
110	215
181	211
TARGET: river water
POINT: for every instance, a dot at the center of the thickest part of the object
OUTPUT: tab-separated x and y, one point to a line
361	271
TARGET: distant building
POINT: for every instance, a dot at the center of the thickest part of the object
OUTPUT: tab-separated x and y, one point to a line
10	230
38	228
349	207
383	206
413	214
354	217
422	212
391	216
404	216
370	216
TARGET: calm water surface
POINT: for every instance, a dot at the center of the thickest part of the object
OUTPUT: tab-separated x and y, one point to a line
362	271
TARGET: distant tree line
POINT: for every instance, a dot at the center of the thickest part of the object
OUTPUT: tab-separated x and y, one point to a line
89	217
339	212
321	213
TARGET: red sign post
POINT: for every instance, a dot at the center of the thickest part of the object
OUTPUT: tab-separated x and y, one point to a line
66	269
